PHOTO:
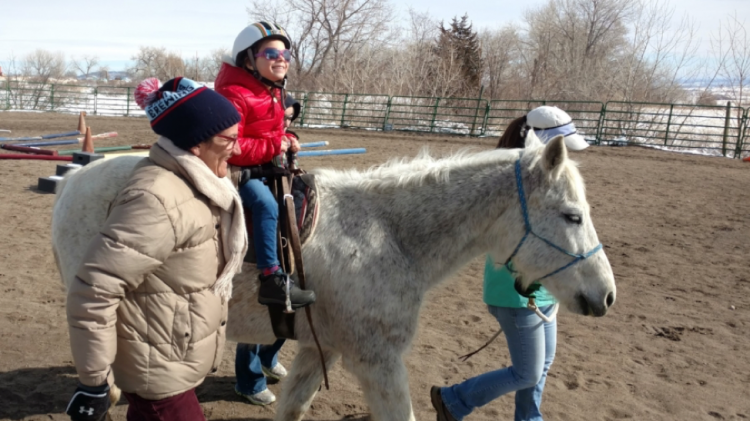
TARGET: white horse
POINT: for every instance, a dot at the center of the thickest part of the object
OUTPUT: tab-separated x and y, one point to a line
384	237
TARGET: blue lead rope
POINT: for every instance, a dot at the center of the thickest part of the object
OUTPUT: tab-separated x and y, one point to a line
577	257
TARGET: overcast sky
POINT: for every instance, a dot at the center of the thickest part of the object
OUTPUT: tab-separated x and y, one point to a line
114	30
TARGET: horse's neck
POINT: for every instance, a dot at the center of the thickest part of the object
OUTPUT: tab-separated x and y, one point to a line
442	224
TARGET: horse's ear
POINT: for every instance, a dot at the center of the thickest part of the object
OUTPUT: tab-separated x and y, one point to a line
532	140
555	153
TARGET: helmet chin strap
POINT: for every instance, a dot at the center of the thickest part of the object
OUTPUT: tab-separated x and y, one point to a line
256	74
269	82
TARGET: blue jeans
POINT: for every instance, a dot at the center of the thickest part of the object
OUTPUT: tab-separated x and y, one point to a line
531	343
248	362
258	197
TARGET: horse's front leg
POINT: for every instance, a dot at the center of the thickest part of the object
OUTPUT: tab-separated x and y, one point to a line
386	387
299	388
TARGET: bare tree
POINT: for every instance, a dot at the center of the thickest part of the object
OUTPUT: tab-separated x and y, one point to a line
85	65
212	63
607	49
569	42
325	32
173	66
659	55
537	52
30	78
423	29
501	53
408	77
157	62
147	62
732	47
13	80
43	65
706	97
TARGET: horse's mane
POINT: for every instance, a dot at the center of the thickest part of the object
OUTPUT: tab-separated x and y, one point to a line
415	171
405	172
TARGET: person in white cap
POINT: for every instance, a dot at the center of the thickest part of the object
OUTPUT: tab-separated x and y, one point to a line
546	122
531	340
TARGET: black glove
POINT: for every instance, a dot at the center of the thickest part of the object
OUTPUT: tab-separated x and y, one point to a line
261	171
249	173
89	403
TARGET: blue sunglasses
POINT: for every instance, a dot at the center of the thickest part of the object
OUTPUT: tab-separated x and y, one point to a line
275	54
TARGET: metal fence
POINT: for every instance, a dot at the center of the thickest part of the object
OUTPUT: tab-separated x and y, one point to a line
718	130
101	100
323	109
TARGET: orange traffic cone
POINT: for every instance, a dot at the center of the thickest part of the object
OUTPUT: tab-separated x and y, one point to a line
88	143
82	122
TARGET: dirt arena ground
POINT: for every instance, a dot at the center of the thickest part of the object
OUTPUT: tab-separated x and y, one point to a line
676	229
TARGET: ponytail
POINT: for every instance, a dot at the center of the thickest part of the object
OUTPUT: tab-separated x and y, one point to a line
514	135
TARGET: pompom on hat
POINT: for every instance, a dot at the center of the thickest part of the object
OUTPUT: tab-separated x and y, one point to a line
548	122
184	111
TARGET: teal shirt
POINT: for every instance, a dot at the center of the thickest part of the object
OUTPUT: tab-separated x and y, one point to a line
500	292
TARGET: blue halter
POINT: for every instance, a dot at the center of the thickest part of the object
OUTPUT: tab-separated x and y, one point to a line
577	257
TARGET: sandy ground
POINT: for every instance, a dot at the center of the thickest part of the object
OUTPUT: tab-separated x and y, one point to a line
674	347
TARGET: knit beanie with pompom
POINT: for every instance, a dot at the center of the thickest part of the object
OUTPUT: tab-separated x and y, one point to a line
185	112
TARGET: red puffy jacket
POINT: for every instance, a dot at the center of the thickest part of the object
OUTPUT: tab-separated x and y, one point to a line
261	127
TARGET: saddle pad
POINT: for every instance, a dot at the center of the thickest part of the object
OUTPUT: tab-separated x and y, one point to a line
305	205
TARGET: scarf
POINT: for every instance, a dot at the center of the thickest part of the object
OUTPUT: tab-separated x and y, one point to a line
224	195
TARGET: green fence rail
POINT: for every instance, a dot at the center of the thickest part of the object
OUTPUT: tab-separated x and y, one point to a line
585	114
438	115
719	130
681	126
325	109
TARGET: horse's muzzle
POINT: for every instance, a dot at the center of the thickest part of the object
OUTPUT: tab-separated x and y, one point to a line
595	307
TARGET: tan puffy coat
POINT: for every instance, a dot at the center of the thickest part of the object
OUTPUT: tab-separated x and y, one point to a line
142	302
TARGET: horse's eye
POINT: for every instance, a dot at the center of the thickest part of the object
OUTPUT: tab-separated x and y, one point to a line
572	218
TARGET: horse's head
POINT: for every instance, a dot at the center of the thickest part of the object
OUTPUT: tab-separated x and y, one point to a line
560	248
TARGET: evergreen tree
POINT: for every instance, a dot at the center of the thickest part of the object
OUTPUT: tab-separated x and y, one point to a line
460	43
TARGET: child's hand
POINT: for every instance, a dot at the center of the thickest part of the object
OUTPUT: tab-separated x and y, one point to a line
284	144
289	143
294	146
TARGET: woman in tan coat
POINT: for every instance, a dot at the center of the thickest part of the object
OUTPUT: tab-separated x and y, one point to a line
148	306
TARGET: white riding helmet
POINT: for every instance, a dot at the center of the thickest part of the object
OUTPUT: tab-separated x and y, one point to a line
256	32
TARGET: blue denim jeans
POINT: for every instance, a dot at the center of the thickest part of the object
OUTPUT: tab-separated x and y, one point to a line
258	197
531	343
248	362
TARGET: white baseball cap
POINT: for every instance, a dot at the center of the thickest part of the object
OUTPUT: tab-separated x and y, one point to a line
549	122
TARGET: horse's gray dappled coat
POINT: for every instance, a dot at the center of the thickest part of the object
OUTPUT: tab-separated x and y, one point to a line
386	236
